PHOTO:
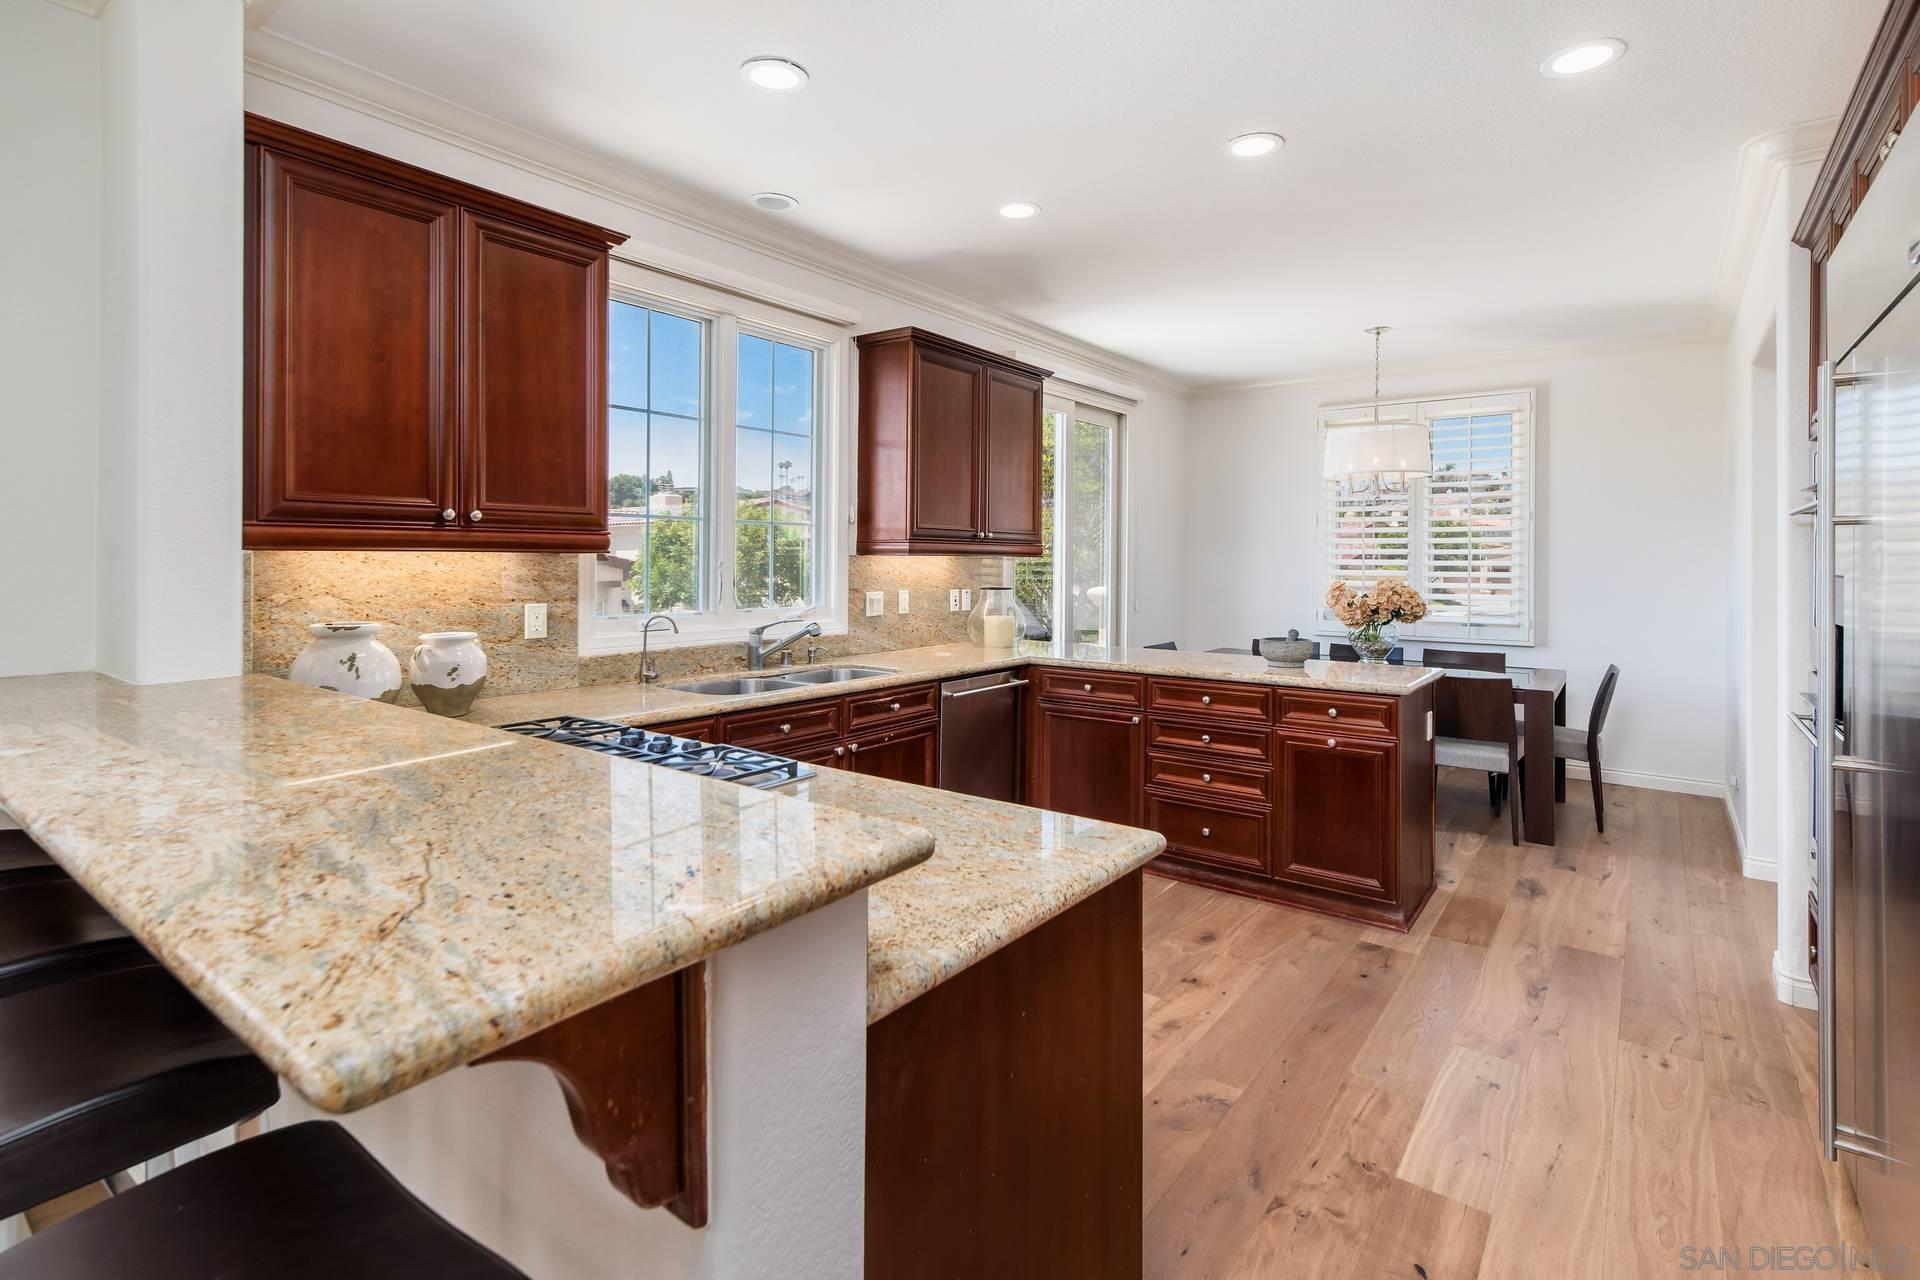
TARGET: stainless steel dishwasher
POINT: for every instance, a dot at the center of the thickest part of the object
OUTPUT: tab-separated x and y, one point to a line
980	735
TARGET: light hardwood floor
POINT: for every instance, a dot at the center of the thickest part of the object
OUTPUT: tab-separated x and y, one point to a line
1573	1066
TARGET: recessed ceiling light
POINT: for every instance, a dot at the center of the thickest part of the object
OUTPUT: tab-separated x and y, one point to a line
773	201
775	75
1019	209
1582	58
1248	145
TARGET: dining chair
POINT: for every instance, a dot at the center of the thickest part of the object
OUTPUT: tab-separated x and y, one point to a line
1463	659
1475	729
1571	744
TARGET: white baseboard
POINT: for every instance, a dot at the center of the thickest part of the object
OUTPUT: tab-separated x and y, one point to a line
1794	990
1652	781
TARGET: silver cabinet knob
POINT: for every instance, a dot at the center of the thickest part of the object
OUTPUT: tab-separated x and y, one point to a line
1206	831
853	746
893	706
1205	738
840	751
1136	719
1206	777
1086	688
787	728
474	516
989	535
1333	711
1332	743
449	514
1206	699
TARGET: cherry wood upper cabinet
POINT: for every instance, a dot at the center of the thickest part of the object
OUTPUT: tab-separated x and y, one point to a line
949	448
425	360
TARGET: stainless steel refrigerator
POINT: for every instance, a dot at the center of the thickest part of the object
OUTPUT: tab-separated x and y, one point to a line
1867	698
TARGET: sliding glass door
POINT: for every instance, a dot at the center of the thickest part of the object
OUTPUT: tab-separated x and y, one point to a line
1073	590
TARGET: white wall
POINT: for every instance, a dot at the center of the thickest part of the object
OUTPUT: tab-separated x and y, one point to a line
1155	429
1631	533
171	253
49	335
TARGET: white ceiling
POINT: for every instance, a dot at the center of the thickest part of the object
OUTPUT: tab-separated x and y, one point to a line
1433	179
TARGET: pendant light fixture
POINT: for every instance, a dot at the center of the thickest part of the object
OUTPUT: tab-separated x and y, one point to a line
1376	448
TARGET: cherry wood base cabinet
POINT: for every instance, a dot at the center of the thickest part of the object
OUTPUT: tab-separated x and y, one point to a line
1088	739
949	448
894	733
1004	1113
425	360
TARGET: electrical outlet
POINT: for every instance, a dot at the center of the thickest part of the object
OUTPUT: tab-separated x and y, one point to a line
903	600
966	598
876	603
953	600
536	622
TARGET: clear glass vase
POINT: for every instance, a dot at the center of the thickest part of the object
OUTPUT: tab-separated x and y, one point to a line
1374	641
995	621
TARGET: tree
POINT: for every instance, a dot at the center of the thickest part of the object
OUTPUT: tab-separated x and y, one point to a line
625	490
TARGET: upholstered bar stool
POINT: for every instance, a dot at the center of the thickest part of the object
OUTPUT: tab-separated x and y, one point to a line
22	859
103	1072
302	1203
51	930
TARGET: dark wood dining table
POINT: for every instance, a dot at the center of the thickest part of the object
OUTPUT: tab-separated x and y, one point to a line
1541	692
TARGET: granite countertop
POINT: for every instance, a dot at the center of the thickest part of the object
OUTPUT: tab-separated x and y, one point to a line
369	895
635	703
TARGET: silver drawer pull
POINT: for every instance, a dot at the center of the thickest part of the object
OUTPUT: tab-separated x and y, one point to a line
1333	711
839	751
893	706
1086	688
474	516
1206	699
1205	738
448	514
1136	719
1206	777
787	728
1332	743
1206	831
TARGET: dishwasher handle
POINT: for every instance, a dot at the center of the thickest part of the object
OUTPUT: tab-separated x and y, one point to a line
985	688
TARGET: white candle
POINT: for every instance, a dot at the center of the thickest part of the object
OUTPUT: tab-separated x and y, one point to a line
996	631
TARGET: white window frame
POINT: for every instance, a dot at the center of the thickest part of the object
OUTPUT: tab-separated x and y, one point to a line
1425	410
726	316
1070	400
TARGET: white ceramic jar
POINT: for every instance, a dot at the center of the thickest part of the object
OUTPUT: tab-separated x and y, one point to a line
447	670
346	657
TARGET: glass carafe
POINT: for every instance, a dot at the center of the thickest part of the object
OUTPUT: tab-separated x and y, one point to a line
995	621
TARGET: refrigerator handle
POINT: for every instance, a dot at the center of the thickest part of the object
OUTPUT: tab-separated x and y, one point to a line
1825	714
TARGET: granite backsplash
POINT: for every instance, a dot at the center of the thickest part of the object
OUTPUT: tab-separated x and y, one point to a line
483	591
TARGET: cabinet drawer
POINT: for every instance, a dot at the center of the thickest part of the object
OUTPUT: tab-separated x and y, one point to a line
1347	713
1201	778
891	706
1207	834
1248	746
1211	698
799	722
1090	686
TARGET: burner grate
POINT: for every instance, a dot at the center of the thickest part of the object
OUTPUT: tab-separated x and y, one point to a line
688	755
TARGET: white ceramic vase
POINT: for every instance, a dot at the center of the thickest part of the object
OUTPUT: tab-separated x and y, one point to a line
447	670
347	658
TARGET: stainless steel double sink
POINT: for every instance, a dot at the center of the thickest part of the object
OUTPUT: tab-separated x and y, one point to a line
742	686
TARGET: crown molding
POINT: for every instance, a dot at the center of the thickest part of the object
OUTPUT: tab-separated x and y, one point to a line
290	63
1762	160
91	8
1443	364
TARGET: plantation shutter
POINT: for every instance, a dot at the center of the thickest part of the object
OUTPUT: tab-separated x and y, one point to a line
1462	536
1477	511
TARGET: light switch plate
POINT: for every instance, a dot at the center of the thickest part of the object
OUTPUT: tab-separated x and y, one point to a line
876	603
966	597
536	622
903	599
953	600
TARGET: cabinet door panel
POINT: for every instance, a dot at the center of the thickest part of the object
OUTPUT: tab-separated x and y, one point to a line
905	755
1010	488
1337	820
1089	762
946	445
352	370
536	402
